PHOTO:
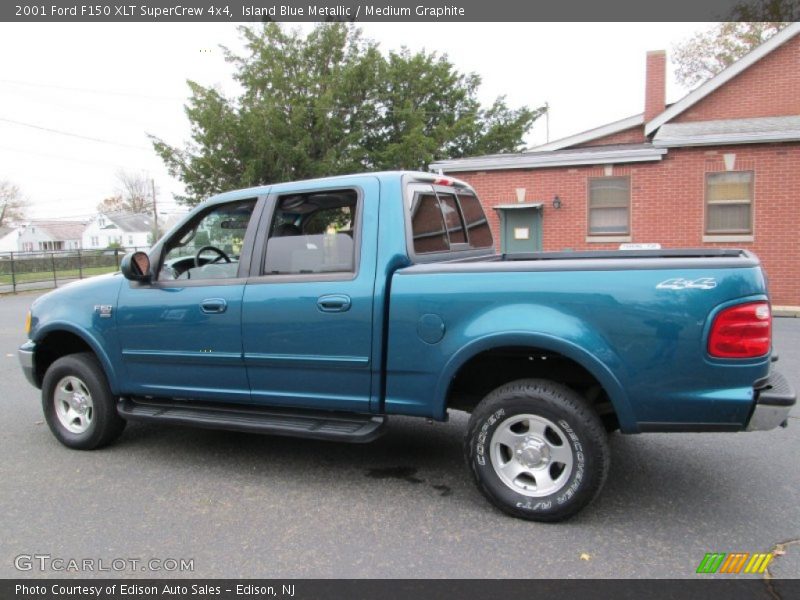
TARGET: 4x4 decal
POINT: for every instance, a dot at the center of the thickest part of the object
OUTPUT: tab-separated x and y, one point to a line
678	283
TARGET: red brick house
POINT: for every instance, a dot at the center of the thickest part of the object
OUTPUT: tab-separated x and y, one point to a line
720	167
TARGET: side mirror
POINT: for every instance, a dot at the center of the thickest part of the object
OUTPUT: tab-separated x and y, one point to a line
136	266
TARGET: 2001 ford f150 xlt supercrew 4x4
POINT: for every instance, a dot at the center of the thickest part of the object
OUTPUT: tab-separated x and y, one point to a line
318	308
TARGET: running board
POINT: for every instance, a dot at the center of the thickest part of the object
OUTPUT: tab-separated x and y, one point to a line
344	427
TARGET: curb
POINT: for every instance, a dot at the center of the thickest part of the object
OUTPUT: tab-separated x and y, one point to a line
786	311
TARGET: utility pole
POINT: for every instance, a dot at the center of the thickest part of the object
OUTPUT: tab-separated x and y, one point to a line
547	119
155	210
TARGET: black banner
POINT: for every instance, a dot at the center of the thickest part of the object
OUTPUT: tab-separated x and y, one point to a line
387	589
386	10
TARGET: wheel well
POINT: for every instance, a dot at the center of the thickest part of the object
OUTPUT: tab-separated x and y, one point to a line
55	345
493	368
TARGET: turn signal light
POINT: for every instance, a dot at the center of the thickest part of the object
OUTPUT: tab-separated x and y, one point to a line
743	331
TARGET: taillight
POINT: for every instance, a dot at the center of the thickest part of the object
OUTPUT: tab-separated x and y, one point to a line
743	331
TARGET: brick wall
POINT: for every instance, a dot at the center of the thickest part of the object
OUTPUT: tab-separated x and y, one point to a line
667	204
655	85
769	88
634	135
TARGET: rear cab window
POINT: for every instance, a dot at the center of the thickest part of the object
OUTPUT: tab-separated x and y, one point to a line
446	222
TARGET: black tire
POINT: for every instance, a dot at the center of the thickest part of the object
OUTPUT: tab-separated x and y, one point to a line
576	428
92	428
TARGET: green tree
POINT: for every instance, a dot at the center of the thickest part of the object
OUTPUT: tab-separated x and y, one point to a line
706	53
330	103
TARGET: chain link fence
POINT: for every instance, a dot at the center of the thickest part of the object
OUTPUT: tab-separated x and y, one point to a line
20	271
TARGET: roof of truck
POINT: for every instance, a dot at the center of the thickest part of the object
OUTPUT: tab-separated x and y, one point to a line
288	186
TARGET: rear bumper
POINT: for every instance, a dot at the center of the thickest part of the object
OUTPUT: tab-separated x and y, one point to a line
775	397
25	354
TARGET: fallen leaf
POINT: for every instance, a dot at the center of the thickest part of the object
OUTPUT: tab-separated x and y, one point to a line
586	556
39	423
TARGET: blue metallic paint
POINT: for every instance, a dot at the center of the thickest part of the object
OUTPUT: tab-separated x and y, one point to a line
71	309
646	346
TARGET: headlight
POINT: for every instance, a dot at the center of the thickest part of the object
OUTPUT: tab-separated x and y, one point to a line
28	323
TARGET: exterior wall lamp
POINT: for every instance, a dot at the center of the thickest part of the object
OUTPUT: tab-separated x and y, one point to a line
556	202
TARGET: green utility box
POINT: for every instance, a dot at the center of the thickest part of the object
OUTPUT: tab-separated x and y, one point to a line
520	227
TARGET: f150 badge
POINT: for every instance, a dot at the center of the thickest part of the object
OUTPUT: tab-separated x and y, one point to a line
104	310
678	283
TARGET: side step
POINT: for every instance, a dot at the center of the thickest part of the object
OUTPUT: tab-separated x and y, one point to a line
343	427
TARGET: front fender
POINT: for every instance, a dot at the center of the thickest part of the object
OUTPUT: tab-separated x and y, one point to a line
93	343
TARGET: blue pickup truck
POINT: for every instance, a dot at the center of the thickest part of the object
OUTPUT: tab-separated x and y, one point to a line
319	308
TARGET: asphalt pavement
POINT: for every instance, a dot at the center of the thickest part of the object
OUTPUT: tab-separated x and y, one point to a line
241	505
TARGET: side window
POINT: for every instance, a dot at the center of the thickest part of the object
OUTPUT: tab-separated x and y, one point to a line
313	233
478	230
208	247
427	226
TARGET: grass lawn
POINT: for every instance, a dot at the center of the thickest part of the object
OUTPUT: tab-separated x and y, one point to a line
64	274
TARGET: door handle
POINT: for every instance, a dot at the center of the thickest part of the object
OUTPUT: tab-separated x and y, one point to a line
214	305
334	303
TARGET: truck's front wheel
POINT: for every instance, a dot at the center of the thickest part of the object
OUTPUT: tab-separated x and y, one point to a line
78	405
537	450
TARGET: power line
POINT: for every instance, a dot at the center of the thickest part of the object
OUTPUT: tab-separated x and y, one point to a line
92	139
75	135
59	157
91	91
86	108
84	216
387	109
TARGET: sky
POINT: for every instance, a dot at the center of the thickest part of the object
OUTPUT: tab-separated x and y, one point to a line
77	101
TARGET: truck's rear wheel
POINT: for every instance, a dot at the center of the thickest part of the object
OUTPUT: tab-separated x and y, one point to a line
78	405
537	450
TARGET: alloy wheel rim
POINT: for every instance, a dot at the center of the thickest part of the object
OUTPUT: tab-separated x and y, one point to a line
73	404
531	455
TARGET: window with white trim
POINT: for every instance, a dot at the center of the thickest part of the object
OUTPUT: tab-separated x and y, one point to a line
609	205
729	203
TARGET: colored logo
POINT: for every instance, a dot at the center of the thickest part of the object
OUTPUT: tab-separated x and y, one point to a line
734	562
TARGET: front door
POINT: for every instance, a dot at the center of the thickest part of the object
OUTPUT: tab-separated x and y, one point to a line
180	336
307	318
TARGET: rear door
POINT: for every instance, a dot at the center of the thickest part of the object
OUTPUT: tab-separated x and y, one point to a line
307	314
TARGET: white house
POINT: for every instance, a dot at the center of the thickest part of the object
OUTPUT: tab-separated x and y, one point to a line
46	236
127	230
8	239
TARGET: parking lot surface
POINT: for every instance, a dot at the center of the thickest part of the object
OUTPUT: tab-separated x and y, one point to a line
244	505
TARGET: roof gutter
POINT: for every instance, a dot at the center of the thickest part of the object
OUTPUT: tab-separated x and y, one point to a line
548	160
723	139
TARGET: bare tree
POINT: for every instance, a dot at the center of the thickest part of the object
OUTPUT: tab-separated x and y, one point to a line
706	53
12	205
133	194
112	204
750	24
